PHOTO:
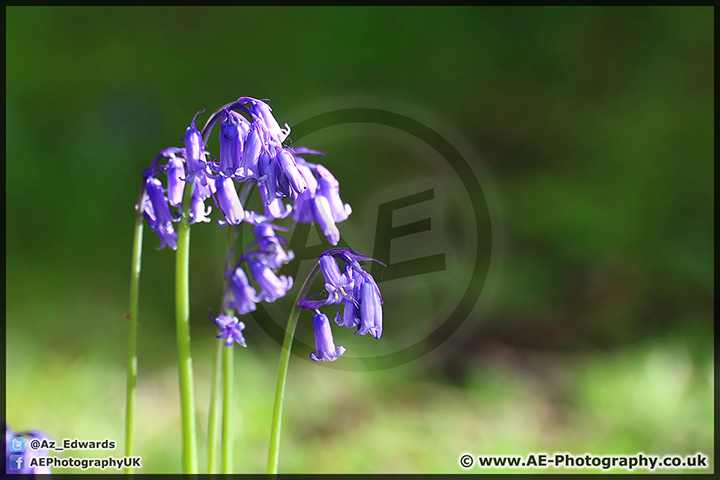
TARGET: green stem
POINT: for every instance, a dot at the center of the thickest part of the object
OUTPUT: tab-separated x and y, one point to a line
214	418
227	430
182	308
282	374
132	341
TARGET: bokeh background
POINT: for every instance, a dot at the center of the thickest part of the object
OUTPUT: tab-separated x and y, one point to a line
594	127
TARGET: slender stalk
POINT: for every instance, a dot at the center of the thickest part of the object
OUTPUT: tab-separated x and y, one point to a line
282	374
187	400
227	430
132	341
227	373
182	308
214	418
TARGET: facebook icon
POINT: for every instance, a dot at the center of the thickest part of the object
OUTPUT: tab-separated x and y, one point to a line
16	462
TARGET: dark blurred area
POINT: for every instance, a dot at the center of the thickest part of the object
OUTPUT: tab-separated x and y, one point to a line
595	124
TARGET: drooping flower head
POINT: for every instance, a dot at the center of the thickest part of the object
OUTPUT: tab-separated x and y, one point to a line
176	185
280	174
253	148
320	202
324	344
263	256
271	251
195	153
339	285
157	213
363	309
228	202
272	285
351	287
233	130
230	329
243	296
261	110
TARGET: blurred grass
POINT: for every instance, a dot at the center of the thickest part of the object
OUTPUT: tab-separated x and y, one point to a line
652	399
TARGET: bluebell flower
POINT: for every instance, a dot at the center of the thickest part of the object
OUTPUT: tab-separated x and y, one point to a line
254	218
370	312
156	204
176	185
338	285
329	188
268	172
231	146
322	215
349	317
303	209
198	213
230	329
354	288
280	173
367	299
273	208
252	151
242	123
320	202
21	460
243	295
263	112
195	153
273	287
271	252
324	344
155	166
157	213
228	201
288	167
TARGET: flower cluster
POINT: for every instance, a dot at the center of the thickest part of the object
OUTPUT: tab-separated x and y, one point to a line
262	257
351	287
18	453
251	149
252	152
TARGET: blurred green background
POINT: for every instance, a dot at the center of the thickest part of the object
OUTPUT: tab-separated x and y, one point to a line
594	124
